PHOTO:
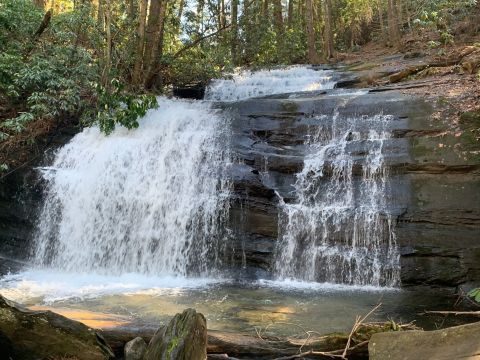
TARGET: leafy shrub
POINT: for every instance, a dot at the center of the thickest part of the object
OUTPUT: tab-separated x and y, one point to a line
57	75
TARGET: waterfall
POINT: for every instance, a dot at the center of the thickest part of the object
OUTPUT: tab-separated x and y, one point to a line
155	200
152	200
248	84
340	228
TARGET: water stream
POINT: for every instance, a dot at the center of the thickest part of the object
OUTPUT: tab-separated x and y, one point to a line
150	201
340	229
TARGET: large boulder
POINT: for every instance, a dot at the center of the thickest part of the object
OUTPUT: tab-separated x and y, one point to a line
135	349
26	334
184	338
459	342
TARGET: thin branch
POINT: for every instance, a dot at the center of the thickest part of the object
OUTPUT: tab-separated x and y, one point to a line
199	40
355	327
471	313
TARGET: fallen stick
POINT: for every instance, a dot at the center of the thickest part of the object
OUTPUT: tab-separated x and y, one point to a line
472	313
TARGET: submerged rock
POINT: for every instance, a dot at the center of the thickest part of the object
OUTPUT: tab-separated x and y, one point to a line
135	349
459	342
26	334
184	338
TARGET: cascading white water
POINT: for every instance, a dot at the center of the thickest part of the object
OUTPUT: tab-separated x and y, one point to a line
151	201
340	229
248	84
138	208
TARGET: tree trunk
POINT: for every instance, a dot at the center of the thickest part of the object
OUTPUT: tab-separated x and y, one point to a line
153	61
137	69
234	32
312	51
393	32
181	6
153	20
221	14
290	14
178	21
399	9
328	31
200	7
278	23
132	10
265	8
380	19
108	46
100	15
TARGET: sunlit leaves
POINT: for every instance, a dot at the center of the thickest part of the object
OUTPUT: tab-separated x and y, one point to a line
474	294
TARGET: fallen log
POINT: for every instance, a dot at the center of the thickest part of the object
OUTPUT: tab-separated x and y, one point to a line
411	70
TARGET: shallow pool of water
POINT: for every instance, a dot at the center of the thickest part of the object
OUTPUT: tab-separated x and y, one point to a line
286	308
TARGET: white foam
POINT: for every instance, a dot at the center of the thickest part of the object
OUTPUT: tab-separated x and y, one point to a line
50	286
298	285
149	200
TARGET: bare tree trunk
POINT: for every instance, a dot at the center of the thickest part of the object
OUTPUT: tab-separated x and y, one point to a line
200	7
380	19
100	15
137	69
399	14
278	23
178	22
234	32
181	6
154	59
290	14
265	8
151	30
393	32
221	14
108	46
131	9
312	51
328	31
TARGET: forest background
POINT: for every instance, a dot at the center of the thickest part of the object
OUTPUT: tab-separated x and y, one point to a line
104	61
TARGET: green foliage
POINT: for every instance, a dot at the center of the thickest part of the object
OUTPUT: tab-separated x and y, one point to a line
57	74
474	294
118	107
446	38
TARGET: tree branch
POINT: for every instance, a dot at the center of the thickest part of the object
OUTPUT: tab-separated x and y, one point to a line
199	40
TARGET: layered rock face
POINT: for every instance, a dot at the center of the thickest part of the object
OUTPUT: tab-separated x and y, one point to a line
434	196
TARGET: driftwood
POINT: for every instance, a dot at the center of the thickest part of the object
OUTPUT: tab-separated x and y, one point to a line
468	313
453	59
411	70
227	345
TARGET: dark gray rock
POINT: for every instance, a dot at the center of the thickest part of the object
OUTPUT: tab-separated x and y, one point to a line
184	338
32	335
135	349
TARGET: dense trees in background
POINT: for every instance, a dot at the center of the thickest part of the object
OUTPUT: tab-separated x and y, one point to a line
94	59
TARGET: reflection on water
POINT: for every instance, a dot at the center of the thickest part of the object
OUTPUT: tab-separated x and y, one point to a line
239	307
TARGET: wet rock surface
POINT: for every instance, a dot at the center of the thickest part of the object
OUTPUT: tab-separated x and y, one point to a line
26	334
